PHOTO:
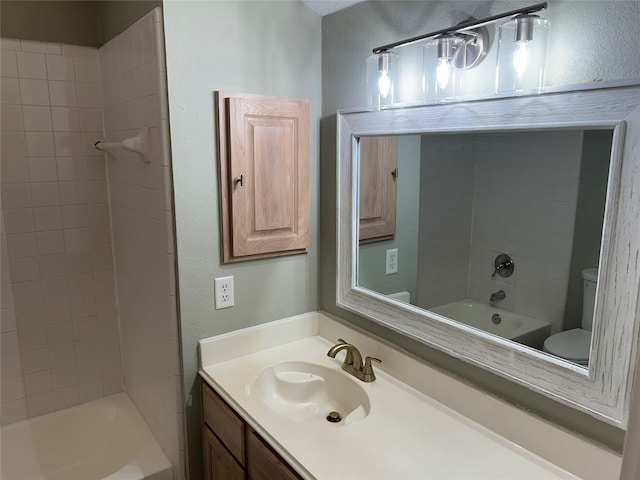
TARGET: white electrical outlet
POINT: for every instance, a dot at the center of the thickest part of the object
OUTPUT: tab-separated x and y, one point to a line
224	292
392	261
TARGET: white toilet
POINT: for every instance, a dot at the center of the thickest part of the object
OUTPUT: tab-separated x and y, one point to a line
574	345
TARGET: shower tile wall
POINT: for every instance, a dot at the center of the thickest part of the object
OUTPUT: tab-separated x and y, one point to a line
59	332
446	186
523	204
134	80
525	194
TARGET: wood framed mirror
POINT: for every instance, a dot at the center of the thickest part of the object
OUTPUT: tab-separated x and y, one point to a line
602	387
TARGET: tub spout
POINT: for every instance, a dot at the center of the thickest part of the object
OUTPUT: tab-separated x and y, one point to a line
497	296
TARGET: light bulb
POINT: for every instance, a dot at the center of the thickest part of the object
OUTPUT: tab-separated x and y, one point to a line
443	72
521	58
384	83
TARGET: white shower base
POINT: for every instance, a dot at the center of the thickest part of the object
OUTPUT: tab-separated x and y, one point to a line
103	439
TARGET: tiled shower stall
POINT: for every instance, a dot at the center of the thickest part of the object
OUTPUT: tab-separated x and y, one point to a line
88	262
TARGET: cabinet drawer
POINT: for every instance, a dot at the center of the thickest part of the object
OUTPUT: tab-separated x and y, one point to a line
264	463
228	426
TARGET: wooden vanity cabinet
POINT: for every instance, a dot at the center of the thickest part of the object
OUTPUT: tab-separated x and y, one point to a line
233	450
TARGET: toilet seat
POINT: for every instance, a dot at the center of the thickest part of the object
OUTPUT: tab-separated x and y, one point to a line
572	345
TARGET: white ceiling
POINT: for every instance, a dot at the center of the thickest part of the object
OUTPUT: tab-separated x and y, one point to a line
325	7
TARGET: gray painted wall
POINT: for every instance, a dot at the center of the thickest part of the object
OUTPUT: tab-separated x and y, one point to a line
592	191
88	23
75	23
266	47
347	40
117	15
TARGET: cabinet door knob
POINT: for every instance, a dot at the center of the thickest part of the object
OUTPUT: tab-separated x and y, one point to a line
240	181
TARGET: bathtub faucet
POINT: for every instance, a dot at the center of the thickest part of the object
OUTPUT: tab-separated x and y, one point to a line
497	296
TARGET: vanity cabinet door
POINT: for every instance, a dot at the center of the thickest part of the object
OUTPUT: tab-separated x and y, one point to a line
227	425
219	464
264	463
264	175
378	174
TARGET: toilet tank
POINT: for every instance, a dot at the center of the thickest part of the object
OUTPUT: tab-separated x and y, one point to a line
589	282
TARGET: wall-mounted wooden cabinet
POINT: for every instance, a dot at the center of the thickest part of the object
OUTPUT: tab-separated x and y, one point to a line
264	175
232	449
378	174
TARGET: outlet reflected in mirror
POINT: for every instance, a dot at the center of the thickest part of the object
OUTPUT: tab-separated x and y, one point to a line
463	199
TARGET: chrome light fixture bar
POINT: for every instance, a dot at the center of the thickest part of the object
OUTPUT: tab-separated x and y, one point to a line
464	27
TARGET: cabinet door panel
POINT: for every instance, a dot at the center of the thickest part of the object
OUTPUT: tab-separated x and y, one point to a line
219	464
264	464
378	172
274	167
224	421
267	200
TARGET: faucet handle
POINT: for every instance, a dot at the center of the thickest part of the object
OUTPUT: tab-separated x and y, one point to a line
368	368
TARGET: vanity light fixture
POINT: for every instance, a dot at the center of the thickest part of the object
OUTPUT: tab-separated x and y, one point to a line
382	80
461	47
522	54
524	35
443	57
445	54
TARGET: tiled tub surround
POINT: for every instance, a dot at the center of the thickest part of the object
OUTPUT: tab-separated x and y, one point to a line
135	94
446	208
525	187
59	333
445	428
60	340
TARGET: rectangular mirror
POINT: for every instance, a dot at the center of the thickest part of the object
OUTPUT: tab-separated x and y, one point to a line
516	222
469	203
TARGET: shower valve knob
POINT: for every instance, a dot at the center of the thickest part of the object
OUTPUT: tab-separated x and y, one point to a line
503	266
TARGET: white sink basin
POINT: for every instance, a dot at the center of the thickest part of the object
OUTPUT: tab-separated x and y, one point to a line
307	392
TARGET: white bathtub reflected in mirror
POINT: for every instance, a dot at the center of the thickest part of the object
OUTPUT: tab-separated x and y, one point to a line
497	321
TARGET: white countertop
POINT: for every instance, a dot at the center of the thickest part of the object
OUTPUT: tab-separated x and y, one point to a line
407	434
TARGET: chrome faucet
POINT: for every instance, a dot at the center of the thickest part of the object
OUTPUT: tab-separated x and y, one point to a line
353	361
503	265
497	296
